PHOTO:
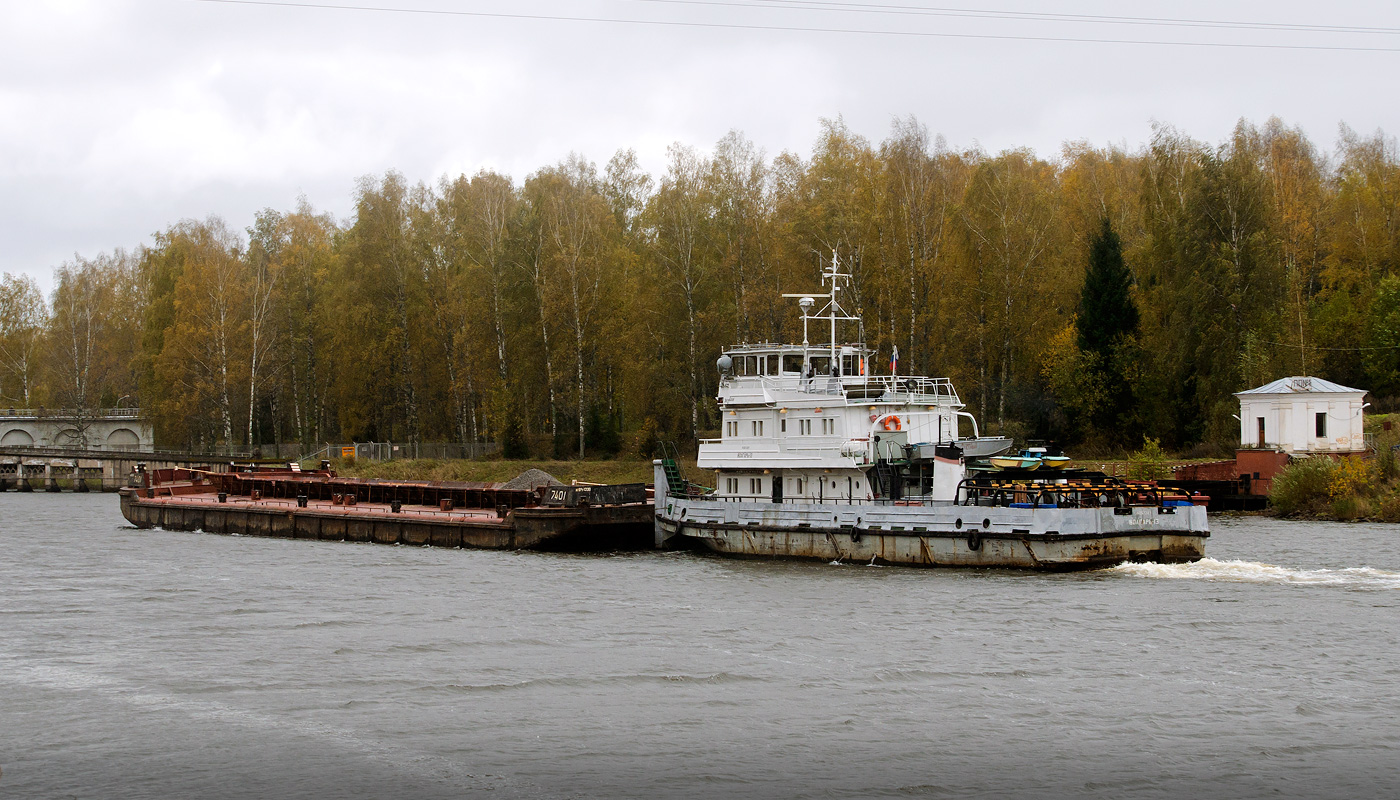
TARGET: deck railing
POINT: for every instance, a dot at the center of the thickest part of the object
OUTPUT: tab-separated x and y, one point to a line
868	387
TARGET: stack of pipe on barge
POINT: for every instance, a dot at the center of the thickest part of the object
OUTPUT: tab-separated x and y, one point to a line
294	504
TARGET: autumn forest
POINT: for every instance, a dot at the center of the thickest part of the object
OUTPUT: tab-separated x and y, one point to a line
580	312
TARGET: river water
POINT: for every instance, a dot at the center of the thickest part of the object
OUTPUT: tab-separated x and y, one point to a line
148	664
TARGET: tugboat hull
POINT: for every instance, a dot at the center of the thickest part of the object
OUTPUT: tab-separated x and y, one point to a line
1052	539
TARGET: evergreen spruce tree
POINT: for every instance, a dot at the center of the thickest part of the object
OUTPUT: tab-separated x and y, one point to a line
1107	324
1107	313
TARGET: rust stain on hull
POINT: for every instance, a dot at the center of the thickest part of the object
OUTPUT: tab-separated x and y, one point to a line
1017	551
576	529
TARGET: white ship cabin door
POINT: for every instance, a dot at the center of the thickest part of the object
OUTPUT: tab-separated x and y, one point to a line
777	488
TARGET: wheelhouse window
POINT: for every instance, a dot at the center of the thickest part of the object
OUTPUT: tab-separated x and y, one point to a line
792	362
757	427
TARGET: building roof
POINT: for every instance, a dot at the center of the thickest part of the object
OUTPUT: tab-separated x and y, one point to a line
1299	384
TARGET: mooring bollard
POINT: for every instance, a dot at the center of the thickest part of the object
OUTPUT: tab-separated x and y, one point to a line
445	504
223	497
301	501
395	506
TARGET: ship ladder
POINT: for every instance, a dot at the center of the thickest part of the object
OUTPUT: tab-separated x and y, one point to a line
676	484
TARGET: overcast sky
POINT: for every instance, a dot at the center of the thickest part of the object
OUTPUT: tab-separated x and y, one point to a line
121	117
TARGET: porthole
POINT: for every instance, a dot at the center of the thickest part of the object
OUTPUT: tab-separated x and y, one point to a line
958	523
986	523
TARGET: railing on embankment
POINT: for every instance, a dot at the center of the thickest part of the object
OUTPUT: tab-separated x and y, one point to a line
59	469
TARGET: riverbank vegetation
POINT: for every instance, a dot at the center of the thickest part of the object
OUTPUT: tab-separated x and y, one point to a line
579	311
1346	488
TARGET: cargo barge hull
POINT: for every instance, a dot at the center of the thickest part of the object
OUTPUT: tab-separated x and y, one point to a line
328	509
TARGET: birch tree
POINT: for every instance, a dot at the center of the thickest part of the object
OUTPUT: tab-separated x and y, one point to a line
267	243
202	364
24	318
677	216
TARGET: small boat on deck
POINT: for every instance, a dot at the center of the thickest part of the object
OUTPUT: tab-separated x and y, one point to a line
1021	461
1048	460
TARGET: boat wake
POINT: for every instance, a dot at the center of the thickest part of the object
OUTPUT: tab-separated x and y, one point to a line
1209	569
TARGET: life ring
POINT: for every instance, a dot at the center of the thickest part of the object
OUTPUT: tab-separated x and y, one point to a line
974	539
892	423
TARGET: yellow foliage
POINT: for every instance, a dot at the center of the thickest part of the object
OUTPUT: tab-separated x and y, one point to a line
1351	477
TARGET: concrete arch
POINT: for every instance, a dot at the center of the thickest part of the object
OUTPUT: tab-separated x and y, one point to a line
17	437
68	437
123	437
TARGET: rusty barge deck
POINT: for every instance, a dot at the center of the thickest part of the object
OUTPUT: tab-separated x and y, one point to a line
322	506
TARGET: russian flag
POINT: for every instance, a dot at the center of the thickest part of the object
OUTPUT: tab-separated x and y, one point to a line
894	359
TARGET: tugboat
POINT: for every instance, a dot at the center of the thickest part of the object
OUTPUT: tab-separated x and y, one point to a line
821	458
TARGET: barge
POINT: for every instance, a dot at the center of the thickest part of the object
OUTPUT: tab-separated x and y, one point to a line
820	458
294	504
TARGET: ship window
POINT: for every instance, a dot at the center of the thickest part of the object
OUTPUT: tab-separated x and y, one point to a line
755	486
751	364
772	364
821	365
792	362
757	427
848	364
782	426
1322	425
804	427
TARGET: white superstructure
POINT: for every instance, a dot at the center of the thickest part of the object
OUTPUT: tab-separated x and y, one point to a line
810	421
